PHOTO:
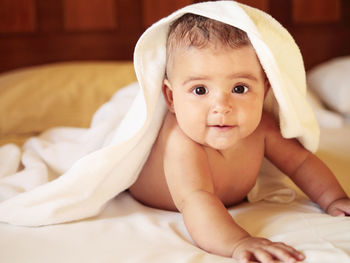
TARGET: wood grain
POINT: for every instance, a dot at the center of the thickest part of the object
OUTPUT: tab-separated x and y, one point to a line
17	16
260	4
82	15
316	11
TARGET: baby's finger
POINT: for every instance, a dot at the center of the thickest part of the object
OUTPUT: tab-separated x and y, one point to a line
263	255
244	257
339	207
295	253
281	254
343	210
336	212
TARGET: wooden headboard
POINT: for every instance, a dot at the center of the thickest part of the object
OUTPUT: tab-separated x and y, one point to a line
35	32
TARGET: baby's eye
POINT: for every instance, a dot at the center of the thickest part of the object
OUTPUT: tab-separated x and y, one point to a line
240	89
200	90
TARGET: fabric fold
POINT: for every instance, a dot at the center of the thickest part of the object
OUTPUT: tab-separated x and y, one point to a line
272	186
114	152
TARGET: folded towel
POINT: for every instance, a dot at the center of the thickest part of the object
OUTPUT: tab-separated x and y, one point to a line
105	160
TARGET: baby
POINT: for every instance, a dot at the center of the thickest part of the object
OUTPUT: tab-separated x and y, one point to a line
214	138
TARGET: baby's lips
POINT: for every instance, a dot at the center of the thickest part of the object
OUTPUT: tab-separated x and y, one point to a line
222	128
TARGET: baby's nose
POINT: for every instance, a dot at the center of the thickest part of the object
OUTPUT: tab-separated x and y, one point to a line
222	106
222	110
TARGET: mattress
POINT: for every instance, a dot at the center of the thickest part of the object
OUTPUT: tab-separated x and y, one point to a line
126	230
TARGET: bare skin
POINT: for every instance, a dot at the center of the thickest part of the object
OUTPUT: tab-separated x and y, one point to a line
210	149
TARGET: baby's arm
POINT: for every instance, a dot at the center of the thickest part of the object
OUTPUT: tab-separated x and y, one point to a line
207	220
306	170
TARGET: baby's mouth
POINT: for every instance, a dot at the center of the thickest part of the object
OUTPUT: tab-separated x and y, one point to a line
222	127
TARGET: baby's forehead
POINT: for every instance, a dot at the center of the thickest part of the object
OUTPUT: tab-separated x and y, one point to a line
212	47
185	56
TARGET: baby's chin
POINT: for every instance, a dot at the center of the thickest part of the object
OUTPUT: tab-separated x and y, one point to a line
221	145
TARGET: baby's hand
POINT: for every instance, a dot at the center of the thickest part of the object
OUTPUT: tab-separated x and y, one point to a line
340	207
265	251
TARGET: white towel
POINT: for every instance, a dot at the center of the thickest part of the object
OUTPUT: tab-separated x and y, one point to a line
88	172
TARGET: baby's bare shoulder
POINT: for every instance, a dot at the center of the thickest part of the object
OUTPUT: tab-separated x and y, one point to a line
269	123
174	140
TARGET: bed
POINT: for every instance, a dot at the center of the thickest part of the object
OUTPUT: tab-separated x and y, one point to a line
36	98
127	231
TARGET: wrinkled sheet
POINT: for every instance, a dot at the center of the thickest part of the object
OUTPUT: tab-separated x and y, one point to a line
92	168
127	231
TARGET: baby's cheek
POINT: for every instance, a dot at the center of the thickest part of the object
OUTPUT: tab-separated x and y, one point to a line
255	115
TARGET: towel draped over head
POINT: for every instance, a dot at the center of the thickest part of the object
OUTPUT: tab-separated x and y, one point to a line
83	189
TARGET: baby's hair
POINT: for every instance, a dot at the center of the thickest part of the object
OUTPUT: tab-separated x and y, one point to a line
198	31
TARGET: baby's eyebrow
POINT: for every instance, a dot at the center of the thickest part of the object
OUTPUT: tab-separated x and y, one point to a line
239	75
244	75
199	78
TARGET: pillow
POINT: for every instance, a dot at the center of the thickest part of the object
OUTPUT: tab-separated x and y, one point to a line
64	94
325	117
331	82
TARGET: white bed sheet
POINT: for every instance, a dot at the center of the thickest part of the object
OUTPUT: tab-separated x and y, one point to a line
127	231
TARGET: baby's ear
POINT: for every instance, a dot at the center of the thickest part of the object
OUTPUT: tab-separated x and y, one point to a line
168	95
267	86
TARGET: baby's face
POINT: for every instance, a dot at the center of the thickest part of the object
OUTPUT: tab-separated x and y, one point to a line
217	94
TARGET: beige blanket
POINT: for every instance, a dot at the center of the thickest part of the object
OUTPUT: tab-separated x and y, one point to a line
70	174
